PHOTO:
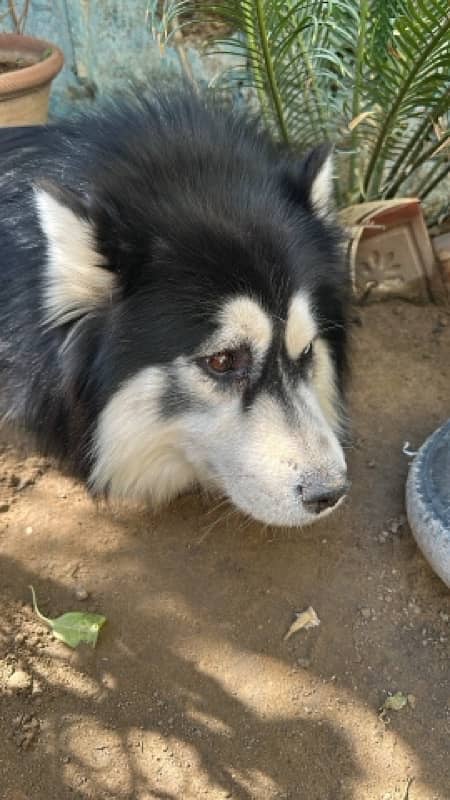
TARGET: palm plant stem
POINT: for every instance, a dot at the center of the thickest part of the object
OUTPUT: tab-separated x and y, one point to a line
413	146
425	155
278	105
425	187
312	84
410	150
252	55
356	99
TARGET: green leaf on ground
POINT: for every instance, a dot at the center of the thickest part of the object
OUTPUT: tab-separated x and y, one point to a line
73	627
395	702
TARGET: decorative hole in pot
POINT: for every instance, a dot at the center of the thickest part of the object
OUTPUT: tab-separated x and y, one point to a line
390	251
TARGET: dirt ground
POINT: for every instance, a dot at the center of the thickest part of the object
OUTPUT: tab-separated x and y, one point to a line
192	690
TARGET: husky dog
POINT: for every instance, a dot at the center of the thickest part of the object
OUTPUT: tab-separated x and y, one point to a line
173	306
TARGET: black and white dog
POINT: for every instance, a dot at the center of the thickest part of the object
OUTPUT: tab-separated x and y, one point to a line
173	306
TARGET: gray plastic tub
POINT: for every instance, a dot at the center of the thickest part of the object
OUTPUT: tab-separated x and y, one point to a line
428	500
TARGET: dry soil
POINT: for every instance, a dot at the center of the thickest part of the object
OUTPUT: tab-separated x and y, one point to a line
192	690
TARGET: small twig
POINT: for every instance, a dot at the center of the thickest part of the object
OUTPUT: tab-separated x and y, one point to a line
18	20
367	291
24	15
13	14
408	786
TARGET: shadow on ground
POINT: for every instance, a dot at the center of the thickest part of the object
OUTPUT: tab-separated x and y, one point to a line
192	690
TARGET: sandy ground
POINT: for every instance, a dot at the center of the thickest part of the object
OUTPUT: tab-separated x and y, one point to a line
192	690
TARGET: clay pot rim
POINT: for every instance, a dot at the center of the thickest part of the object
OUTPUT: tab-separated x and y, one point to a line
38	74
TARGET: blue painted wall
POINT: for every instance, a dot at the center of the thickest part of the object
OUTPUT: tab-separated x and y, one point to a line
108	45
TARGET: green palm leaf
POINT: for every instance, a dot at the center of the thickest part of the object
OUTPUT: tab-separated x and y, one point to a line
409	81
319	65
285	45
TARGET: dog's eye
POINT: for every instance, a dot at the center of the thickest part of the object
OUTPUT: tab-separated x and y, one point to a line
221	362
230	363
306	353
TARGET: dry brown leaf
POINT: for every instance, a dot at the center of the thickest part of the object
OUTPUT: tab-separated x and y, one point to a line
303	619
360	118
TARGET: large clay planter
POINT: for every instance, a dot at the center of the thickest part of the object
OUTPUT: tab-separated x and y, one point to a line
24	93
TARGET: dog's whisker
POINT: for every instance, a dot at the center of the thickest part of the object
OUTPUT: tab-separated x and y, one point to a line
222	519
220	505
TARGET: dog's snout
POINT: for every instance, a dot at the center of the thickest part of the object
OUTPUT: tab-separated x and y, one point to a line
320	496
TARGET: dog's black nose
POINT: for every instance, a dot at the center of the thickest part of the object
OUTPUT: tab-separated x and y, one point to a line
319	497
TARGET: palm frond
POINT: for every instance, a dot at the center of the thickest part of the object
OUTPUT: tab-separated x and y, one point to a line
285	44
372	75
407	81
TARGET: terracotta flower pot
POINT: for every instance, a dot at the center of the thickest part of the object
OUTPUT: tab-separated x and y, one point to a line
24	92
390	251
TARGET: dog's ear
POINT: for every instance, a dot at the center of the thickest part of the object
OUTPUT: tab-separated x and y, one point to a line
77	280
310	181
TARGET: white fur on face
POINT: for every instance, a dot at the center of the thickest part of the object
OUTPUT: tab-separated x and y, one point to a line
136	452
259	457
322	187
241	320
324	382
76	283
301	327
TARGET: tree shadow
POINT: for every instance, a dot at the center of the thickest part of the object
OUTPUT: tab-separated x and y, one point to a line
192	688
191	718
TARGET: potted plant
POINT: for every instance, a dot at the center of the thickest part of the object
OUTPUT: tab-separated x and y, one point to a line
372	77
27	69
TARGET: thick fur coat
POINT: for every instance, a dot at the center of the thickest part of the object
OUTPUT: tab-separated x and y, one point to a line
173	302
